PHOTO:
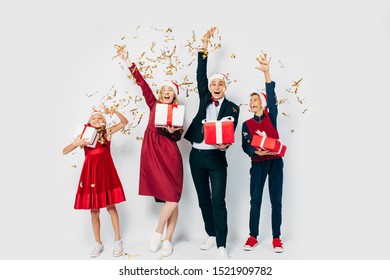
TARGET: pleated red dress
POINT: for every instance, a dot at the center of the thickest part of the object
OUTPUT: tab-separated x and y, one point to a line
99	183
161	166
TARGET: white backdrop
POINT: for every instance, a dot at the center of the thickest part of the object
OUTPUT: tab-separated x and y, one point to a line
335	203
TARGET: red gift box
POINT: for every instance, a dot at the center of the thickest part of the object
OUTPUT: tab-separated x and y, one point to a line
219	132
262	141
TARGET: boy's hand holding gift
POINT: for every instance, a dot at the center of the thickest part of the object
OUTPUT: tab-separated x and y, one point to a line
262	142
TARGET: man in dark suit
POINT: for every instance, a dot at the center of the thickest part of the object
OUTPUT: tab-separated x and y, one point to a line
208	162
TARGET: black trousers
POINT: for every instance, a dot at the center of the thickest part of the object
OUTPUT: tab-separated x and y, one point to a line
259	171
210	166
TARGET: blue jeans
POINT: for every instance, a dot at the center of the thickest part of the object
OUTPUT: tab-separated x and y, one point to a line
258	173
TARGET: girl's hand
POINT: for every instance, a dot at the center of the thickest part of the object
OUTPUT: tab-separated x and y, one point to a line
261	152
80	142
124	55
172	129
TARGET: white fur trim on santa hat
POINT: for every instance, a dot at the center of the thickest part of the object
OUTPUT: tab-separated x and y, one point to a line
171	84
97	112
218	76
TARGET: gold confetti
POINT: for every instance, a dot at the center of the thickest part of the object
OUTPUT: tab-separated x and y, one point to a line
123	37
234	110
281	64
89	95
284	114
232	55
292	130
137	99
130	256
300	100
92	185
139	120
304	111
153	45
296	85
157	29
281	101
139	138
74	166
136	32
191	62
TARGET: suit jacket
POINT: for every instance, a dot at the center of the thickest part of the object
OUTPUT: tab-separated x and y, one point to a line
195	131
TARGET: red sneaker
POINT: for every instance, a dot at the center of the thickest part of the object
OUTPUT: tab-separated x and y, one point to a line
278	245
250	243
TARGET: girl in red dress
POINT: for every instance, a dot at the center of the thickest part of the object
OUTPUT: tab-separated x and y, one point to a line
161	170
99	185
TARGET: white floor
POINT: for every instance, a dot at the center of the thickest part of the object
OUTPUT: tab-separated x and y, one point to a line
185	250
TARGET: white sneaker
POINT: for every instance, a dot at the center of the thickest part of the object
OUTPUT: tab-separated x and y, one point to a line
155	241
222	253
167	248
118	248
209	243
97	250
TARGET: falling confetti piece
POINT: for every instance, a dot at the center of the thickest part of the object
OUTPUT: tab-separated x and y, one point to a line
281	64
89	95
292	130
304	111
233	55
284	114
152	47
136	32
74	166
130	256
281	101
92	185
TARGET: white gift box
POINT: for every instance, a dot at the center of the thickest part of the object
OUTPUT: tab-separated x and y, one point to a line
169	114
84	131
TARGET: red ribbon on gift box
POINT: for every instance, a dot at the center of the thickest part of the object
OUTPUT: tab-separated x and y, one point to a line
82	133
170	113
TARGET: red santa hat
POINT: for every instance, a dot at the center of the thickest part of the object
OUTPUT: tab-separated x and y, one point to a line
171	84
218	76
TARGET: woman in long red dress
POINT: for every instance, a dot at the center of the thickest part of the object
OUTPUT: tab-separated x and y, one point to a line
161	170
99	185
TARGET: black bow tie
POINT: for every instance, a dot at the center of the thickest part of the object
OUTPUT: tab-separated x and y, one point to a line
216	102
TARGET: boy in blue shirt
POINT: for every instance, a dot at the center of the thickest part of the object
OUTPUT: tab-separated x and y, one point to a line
264	163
